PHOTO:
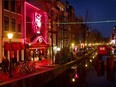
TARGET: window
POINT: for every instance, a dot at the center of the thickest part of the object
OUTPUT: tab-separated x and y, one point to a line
19	25
18	6
13	5
6	4
13	23
6	23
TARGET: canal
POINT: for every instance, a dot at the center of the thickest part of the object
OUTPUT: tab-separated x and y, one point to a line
89	73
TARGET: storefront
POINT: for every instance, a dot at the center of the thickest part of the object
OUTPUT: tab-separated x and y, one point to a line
14	49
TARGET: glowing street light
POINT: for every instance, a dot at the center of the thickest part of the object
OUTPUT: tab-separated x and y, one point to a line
73	79
86	65
90	60
10	36
72	44
58	49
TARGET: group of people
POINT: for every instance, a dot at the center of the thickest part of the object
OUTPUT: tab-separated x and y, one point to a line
6	63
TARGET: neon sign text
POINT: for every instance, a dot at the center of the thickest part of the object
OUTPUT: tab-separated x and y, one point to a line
38	22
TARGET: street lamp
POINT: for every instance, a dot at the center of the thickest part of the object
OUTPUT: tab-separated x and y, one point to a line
72	46
10	36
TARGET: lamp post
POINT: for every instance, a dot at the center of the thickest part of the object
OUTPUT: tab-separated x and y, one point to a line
10	36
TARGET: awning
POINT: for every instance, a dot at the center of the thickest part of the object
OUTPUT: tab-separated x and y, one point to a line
13	46
7	46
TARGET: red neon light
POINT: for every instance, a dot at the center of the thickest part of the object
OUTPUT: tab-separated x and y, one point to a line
76	75
38	38
35	24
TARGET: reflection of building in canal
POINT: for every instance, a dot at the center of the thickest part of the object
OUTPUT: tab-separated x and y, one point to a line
110	75
100	68
107	66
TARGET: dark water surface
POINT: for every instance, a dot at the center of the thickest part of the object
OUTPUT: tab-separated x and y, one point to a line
94	75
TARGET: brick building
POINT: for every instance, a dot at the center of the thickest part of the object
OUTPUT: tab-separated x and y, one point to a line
38	26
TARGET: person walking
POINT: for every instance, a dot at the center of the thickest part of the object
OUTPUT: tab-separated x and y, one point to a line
5	64
13	61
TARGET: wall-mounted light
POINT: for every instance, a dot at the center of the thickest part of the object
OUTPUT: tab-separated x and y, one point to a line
10	36
58	49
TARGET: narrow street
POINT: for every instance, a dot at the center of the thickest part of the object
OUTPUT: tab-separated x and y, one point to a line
23	71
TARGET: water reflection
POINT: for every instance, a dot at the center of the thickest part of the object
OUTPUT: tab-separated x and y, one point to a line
94	75
100	74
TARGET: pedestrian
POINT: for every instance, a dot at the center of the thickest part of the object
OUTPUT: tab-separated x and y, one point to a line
13	61
5	64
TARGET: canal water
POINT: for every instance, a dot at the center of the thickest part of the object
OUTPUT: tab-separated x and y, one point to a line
89	73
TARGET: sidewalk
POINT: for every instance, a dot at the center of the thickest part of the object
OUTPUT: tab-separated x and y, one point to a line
40	67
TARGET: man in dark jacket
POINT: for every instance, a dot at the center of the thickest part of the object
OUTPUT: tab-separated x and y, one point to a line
5	64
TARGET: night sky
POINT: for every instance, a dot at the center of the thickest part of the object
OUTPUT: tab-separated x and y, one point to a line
100	11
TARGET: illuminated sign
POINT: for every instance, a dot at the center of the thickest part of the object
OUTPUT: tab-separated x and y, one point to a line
36	21
102	50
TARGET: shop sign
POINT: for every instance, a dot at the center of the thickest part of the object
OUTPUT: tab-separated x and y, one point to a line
102	50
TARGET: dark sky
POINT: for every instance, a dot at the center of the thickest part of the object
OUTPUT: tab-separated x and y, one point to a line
99	11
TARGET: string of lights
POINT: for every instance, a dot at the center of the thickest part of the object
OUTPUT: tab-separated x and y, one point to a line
88	22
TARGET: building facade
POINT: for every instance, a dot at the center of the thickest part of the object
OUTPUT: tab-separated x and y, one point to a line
39	27
12	22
